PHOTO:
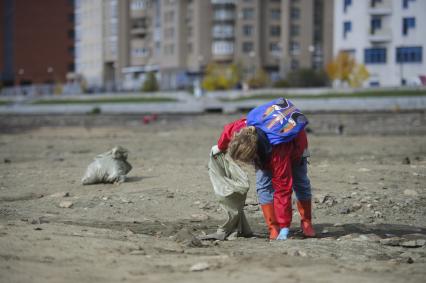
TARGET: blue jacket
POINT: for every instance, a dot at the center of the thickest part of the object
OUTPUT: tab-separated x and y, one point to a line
279	119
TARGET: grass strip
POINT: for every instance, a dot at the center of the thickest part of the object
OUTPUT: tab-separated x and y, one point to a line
366	94
104	100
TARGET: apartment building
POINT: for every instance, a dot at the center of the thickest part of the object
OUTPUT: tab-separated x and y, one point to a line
36	45
96	42
390	42
176	39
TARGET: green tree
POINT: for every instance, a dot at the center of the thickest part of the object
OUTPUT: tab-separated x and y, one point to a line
150	84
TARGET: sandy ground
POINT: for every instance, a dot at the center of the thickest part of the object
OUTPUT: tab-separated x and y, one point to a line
370	204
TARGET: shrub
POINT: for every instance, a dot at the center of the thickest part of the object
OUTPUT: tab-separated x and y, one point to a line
221	77
307	78
150	84
260	79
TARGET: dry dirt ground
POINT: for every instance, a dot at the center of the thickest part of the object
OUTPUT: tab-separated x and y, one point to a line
369	184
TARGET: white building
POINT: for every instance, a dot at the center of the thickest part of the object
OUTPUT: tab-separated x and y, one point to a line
387	36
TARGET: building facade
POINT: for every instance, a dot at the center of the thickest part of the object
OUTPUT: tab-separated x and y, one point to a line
390	42
177	39
36	45
96	42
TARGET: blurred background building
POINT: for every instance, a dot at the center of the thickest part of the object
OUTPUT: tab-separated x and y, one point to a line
385	35
120	41
37	42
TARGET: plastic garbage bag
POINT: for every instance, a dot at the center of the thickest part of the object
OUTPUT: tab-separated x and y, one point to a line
226	176
108	167
231	185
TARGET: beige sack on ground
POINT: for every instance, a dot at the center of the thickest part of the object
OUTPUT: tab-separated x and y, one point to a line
231	185
108	167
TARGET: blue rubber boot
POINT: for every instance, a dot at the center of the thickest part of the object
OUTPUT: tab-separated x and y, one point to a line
283	235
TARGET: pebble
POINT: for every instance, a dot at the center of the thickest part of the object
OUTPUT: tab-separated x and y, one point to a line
297	253
356	206
393	241
185	237
413	243
233	236
251	201
406	160
199	217
378	214
66	204
321	198
60	195
200	266
364	170
138	252
344	210
370	238
252	208
411	193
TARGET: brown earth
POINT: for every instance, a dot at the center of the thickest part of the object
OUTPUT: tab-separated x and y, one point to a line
369	211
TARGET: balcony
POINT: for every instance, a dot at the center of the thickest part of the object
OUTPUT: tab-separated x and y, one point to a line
223	32
224	15
380	35
222	2
383	7
223	50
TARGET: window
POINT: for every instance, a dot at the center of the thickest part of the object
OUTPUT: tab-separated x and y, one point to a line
275	31
409	54
71	50
71	67
71	33
347	27
169	32
137	5
222	48
274	47
376	23
375	55
247	30
140	52
169	49
71	17
346	4
294	30
374	2
294	13
169	16
189	47
294	48
405	3
408	23
248	13
294	64
275	14
221	31
248	47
